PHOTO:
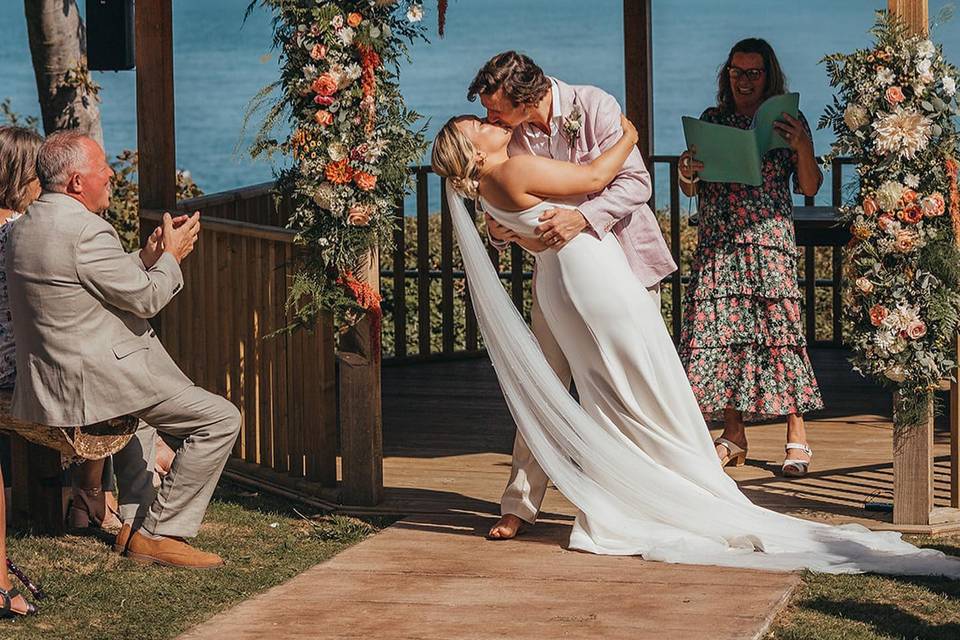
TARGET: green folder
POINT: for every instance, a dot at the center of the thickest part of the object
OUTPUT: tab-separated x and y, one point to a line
731	154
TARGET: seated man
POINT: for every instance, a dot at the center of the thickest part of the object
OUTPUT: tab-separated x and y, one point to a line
86	353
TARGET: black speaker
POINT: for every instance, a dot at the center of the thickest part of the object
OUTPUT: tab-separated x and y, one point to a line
110	30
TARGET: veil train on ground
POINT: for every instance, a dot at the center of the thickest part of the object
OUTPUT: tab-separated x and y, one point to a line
647	508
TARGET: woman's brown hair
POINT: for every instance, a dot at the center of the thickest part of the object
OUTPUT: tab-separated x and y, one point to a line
18	165
774	85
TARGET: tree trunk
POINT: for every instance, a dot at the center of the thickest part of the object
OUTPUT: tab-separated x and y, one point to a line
58	47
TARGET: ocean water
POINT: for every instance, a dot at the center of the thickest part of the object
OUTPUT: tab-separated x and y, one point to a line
219	63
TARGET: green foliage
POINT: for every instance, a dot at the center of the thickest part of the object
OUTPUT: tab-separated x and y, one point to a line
124	211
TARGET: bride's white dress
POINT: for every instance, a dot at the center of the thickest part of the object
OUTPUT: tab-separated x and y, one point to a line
635	456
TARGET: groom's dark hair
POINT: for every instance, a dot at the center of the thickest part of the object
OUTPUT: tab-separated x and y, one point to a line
520	78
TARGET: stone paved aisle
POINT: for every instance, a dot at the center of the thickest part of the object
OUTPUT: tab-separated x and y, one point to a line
436	577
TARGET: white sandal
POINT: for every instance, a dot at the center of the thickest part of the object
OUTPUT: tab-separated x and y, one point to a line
736	454
794	468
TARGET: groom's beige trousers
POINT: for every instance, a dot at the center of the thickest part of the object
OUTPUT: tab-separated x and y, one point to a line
528	483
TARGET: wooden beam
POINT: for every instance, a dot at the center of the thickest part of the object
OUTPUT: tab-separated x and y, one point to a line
156	136
913	444
914	13
361	414
36	486
638	70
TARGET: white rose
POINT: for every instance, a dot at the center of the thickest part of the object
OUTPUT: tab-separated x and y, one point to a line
926	77
923	66
855	116
925	49
896	373
864	285
888	195
949	85
338	151
415	13
323	196
346	36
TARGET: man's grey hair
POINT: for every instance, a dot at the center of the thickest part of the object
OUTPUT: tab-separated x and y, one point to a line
62	155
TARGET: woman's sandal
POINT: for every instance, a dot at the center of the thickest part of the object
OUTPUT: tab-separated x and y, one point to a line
735	453
6	604
795	468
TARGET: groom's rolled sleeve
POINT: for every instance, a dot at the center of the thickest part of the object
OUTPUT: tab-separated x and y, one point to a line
629	190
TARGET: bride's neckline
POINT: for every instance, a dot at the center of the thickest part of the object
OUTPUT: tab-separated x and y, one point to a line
487	205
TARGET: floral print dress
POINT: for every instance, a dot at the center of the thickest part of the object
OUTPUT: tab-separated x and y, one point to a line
8	357
742	341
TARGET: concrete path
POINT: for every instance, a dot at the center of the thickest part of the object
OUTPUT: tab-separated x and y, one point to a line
436	577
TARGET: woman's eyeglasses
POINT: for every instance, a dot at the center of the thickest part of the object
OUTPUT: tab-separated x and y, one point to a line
751	74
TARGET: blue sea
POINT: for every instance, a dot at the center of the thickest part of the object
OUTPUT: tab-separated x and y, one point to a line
220	62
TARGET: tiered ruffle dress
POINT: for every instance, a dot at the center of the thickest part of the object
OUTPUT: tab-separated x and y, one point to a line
742	342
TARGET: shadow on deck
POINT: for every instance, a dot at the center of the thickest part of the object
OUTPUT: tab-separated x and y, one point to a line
448	436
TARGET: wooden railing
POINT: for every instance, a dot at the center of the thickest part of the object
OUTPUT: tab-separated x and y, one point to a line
222	331
427	311
435	319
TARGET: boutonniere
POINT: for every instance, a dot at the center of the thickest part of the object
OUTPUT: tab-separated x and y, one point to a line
573	123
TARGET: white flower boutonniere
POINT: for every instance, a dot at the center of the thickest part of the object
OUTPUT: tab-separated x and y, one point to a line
573	123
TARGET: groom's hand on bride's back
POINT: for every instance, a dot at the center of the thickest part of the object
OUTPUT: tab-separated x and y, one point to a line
499	232
559	226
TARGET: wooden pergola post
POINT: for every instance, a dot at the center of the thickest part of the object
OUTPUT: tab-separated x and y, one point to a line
361	415
638	70
913	471
156	136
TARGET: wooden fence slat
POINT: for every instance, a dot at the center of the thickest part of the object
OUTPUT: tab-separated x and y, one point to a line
237	322
281	460
676	291
516	276
810	280
446	269
423	264
399	286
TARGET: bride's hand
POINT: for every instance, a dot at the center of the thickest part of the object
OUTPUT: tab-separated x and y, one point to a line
629	131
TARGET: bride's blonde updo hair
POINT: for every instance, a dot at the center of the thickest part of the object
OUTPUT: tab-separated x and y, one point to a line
455	158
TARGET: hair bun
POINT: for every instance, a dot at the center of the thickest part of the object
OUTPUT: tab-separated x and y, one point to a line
467	186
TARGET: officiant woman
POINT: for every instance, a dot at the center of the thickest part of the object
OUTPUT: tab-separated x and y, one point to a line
742	341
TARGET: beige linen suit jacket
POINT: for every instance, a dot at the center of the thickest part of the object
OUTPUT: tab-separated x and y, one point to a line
80	303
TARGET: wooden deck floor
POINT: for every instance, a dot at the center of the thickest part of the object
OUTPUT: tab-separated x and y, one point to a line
448	436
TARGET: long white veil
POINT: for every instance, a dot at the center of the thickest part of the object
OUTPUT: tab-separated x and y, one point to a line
649	508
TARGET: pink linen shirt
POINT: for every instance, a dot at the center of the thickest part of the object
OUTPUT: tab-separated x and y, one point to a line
621	208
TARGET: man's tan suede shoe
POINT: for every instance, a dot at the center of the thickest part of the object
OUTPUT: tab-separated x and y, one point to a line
169	552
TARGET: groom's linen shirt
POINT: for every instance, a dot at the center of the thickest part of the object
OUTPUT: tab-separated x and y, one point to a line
621	208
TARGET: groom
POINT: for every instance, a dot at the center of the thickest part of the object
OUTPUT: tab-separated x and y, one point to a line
552	119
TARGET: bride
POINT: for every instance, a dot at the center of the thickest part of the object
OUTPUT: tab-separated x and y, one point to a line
635	456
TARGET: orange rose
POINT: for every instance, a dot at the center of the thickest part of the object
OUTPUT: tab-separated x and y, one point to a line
339	172
325	85
323	118
354	19
894	95
909	196
365	180
911	215
878	313
870	206
359	215
883	221
319	51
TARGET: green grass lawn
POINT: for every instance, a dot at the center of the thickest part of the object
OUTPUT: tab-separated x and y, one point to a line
869	607
95	594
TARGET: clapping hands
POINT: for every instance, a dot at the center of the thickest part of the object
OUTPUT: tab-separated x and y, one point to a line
175	235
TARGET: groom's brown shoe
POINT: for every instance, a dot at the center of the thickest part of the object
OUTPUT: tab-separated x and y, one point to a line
169	552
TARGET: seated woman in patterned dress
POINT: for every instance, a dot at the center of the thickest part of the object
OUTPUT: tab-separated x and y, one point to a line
742	341
18	188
